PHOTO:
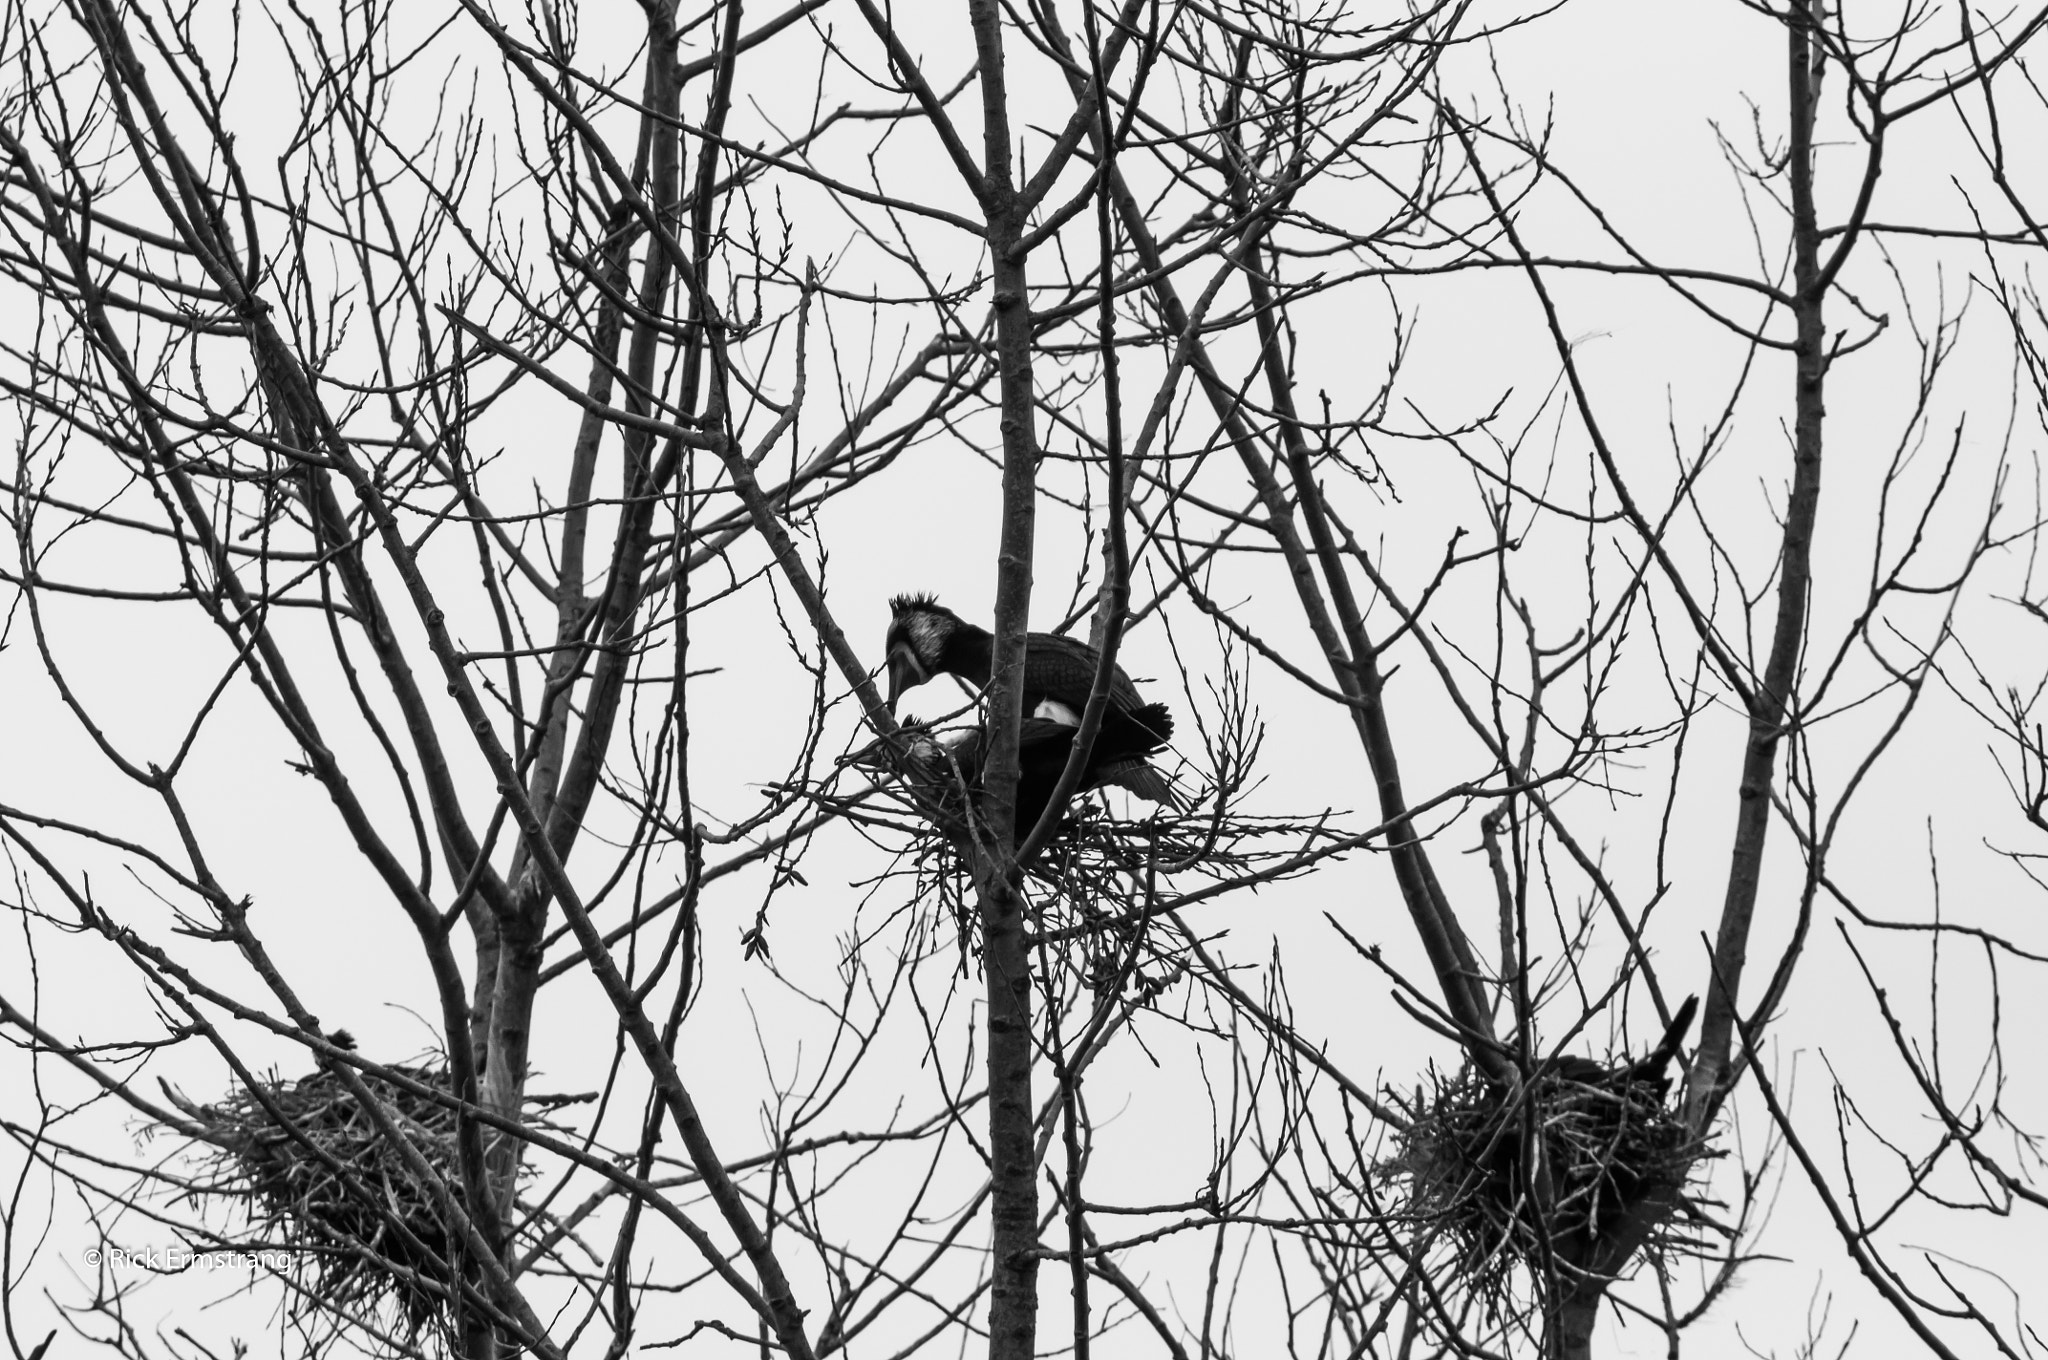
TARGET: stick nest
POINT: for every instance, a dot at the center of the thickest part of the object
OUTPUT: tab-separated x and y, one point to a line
316	1175
1541	1174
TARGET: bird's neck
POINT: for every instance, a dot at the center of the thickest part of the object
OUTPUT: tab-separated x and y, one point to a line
970	654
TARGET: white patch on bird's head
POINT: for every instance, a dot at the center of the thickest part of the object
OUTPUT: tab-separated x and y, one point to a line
927	633
923	624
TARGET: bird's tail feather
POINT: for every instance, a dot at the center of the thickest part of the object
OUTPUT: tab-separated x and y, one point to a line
1157	721
1674	1034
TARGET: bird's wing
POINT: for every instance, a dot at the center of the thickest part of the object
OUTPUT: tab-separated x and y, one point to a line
1064	667
1040	737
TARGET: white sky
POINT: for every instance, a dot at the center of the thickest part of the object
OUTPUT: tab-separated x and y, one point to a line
1635	96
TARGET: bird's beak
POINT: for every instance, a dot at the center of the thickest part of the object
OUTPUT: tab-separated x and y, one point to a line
904	673
872	756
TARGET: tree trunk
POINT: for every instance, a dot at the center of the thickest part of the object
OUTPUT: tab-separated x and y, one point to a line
1772	699
1006	959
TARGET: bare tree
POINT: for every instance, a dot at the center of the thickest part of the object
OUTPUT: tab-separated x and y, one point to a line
1545	1177
483	404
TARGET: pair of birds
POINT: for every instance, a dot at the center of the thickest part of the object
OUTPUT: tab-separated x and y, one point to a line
927	640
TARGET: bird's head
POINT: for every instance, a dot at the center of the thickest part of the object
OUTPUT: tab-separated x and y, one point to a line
918	629
879	757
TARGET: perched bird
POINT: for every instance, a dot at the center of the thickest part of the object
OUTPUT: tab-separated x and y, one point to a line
927	639
1648	1070
942	768
946	769
1650	1067
1601	1139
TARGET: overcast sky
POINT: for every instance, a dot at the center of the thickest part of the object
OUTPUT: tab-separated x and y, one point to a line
1638	99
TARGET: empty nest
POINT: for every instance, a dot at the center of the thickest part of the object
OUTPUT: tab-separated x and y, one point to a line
368	1234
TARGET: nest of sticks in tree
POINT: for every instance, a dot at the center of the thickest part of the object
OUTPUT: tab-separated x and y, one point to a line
1098	879
932	789
1540	1175
316	1175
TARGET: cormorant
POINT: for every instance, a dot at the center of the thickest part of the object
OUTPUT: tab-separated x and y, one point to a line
941	767
927	639
1650	1067
1599	1151
1043	745
1648	1070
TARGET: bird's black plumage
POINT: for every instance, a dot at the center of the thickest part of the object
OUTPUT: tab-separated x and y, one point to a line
1648	1070
1602	1137
947	771
1651	1066
927	639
